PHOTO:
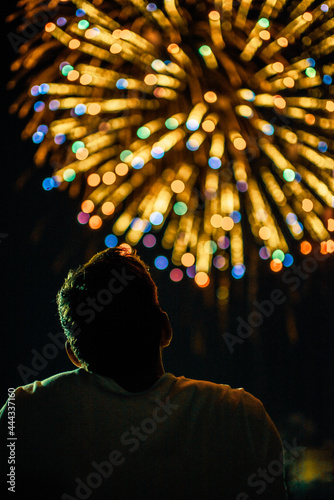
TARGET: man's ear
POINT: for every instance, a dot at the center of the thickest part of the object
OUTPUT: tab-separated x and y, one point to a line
166	330
71	355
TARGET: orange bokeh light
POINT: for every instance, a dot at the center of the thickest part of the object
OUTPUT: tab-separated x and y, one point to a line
74	44
305	247
50	27
173	48
87	206
188	259
109	178
276	265
279	102
264	35
95	222
307	205
121	169
108	208
73	75
177	186
210	97
214	15
202	279
309	119
93	180
282	41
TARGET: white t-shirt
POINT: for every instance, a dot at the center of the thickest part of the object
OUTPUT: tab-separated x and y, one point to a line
80	435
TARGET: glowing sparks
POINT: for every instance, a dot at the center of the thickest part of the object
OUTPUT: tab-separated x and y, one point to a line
182	119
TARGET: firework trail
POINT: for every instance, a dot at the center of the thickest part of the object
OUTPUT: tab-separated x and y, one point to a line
205	120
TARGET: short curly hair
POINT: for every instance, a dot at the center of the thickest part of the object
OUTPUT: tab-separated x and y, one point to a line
110	312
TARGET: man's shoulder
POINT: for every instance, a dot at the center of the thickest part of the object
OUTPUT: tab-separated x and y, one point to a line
222	393
54	382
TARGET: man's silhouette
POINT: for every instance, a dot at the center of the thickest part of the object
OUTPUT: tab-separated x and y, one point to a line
120	428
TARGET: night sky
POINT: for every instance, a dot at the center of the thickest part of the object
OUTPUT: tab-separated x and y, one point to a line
287	362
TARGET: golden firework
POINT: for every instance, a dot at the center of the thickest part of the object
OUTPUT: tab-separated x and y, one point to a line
193	118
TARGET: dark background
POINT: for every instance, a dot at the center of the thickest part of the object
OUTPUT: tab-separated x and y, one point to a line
287	362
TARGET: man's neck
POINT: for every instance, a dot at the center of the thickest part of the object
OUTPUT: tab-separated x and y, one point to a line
139	380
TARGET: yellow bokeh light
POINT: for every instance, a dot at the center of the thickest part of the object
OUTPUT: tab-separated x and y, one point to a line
82	153
208	126
330	246
117	34
307	16
73	75
222	293
279	102
91	33
74	44
108	208
95	222
188	259
85	79
150	79
93	108
210	97
307	205
264	35
121	169
330	106
115	48
264	233
87	206
93	180
126	34
330	225
289	82
278	67
239	143
227	223
109	178
177	186
282	41
216	220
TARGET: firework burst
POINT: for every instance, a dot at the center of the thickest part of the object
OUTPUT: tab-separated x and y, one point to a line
200	119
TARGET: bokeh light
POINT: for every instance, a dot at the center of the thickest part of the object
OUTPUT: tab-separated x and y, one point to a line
227	136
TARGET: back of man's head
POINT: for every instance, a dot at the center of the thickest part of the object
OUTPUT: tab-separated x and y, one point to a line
110	313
